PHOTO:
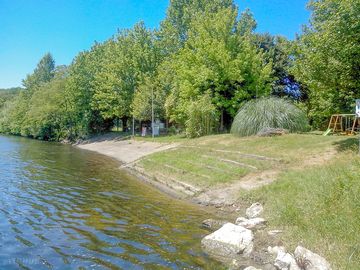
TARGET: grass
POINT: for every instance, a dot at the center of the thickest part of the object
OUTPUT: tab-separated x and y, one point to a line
264	113
163	139
219	159
318	206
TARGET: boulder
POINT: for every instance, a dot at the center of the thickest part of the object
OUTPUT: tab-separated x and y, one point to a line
253	223
251	268
228	241
254	210
275	250
213	224
285	261
309	260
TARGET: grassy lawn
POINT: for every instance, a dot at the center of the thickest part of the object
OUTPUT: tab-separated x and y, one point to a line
319	208
315	199
219	159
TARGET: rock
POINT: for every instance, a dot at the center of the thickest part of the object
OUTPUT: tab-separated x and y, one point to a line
228	241
275	250
251	268
268	132
213	224
309	260
254	210
253	223
285	261
269	266
274	232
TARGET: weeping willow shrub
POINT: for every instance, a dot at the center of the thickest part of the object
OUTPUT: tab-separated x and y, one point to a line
201	117
271	112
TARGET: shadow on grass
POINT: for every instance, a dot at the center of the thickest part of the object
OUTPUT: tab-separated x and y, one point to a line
350	144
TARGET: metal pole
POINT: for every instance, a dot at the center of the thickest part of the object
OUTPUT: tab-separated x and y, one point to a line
152	111
133	127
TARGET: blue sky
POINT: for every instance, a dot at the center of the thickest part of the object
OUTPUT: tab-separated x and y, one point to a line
30	28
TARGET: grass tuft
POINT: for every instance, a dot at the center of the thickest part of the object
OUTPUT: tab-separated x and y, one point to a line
260	114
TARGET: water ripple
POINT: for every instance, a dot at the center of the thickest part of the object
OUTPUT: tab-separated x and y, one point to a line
63	208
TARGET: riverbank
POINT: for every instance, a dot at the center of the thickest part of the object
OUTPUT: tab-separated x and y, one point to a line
307	182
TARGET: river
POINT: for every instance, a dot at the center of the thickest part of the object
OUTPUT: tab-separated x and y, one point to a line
66	208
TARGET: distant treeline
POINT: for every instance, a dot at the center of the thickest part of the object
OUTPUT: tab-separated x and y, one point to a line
201	64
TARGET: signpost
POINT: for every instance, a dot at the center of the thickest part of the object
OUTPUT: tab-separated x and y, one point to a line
358	115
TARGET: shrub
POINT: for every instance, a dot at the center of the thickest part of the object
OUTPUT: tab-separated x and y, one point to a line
201	117
260	114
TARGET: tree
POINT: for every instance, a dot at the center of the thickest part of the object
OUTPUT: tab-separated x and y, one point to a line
149	96
278	50
79	94
219	59
328	58
127	60
174	29
46	116
43	72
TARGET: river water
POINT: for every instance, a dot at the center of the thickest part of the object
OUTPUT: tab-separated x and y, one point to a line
65	208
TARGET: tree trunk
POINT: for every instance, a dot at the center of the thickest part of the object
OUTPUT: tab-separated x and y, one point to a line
222	121
124	123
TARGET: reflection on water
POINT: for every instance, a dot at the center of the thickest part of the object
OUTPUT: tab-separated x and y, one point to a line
64	208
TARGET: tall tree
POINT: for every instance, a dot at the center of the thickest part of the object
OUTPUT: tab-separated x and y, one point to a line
278	50
43	72
127	60
219	56
174	29
328	58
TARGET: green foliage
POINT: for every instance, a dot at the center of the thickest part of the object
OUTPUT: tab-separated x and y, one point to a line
320	208
149	93
327	58
45	117
218	59
43	72
174	29
263	113
201	117
8	94
203	52
126	60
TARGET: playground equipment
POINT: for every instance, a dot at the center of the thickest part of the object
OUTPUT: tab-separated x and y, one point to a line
344	124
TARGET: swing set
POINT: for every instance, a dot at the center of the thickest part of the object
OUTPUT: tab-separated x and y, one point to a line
343	124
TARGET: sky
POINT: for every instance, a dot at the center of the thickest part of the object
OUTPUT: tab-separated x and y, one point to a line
31	28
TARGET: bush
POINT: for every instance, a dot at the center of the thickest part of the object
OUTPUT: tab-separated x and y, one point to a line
201	117
260	114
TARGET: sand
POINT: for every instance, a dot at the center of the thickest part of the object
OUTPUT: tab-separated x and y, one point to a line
126	151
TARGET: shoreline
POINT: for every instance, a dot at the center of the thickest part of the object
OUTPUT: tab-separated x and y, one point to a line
128	152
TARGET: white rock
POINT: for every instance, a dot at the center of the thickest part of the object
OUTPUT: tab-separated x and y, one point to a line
229	240
251	268
254	210
275	250
311	260
285	261
253	223
274	232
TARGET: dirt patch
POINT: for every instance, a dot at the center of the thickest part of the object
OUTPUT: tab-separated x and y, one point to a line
125	150
225	196
319	159
229	194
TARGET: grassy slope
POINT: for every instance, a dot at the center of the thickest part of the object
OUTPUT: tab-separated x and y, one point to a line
319	206
206	162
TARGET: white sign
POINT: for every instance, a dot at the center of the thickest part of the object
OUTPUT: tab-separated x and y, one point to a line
358	107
